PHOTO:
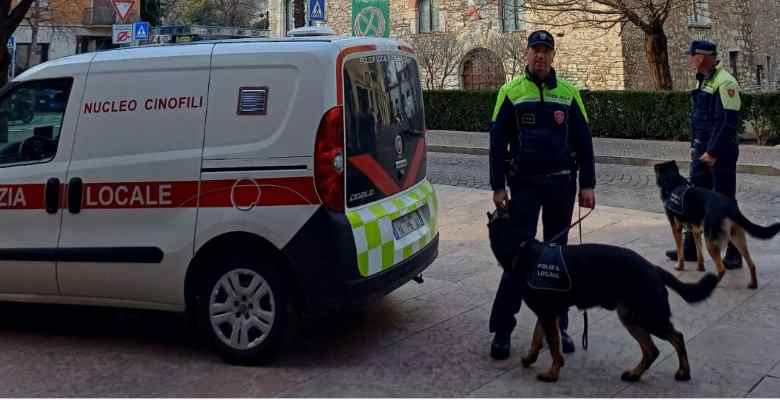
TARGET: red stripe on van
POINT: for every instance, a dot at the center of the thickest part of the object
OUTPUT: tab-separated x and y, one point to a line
22	197
247	193
231	193
406	49
340	65
375	173
414	168
123	195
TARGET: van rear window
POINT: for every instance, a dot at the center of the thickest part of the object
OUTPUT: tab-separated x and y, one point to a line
385	125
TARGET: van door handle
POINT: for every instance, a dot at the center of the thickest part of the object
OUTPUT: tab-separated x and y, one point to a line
75	187
52	195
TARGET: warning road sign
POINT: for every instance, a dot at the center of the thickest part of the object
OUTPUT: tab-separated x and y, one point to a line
316	10
123	8
141	31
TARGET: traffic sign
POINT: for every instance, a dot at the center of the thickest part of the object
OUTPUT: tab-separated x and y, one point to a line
371	18
12	43
316	10
123	8
122	34
141	31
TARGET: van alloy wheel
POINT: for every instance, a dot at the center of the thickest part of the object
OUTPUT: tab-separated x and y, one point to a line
242	309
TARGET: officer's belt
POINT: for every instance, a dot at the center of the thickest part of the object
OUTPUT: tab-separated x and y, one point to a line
513	175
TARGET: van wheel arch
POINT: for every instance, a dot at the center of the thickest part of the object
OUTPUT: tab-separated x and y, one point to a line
236	243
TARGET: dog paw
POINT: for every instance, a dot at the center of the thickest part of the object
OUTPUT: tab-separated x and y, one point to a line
680	267
547	377
753	285
682	376
528	361
629	377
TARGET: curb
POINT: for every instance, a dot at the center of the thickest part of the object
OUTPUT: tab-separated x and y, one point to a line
753	169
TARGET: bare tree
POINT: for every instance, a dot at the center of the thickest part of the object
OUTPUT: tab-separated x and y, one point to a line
10	18
53	14
223	12
440	54
510	47
648	15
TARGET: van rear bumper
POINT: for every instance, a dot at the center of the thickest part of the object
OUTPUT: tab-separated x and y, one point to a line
367	289
324	265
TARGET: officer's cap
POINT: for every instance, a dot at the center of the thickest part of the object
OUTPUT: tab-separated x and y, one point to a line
541	37
702	47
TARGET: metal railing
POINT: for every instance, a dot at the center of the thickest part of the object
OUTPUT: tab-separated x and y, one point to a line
98	16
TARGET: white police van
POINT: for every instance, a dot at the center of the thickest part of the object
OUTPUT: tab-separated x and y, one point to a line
230	179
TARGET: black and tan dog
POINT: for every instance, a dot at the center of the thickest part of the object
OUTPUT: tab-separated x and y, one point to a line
594	275
714	214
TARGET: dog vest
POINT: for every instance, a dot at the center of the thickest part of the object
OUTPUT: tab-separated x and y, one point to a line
676	201
549	272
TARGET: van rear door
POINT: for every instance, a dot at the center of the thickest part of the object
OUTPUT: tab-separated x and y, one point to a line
385	127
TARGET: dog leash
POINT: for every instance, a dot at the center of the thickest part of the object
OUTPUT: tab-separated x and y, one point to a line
565	231
584	312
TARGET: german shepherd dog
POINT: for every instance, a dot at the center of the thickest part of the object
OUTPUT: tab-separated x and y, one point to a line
612	277
712	213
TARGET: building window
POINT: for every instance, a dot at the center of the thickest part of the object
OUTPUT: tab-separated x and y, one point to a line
700	13
295	14
734	63
769	72
512	15
759	73
26	59
428	16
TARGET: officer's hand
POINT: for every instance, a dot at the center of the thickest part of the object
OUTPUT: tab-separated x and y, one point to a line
587	198
708	160
500	199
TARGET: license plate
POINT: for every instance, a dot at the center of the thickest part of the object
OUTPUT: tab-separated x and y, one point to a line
407	224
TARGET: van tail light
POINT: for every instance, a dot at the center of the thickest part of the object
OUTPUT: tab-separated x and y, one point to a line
329	160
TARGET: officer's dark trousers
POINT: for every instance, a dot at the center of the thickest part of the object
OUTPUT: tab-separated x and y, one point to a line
721	178
554	197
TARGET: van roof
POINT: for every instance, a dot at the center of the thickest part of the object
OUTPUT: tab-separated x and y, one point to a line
343	40
339	41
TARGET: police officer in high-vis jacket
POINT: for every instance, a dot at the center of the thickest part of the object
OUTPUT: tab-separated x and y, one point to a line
714	120
539	138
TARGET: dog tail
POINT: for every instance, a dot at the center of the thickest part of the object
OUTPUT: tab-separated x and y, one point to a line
690	292
757	231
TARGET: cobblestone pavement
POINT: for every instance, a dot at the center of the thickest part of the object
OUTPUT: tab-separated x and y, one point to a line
617	185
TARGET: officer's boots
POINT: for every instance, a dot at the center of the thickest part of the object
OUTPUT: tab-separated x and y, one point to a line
689	248
501	345
733	259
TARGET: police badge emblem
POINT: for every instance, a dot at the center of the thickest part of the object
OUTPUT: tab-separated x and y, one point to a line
732	92
560	116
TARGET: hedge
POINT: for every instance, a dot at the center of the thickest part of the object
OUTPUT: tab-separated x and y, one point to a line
617	114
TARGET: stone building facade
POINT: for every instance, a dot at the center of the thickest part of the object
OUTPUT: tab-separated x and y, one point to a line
745	30
746	33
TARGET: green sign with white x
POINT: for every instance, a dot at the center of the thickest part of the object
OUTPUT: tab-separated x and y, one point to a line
371	18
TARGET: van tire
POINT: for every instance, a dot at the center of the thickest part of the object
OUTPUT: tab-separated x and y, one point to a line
219	312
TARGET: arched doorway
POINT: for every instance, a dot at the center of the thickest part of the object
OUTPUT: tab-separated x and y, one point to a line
482	69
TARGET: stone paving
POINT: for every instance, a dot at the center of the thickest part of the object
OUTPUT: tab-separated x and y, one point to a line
421	340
